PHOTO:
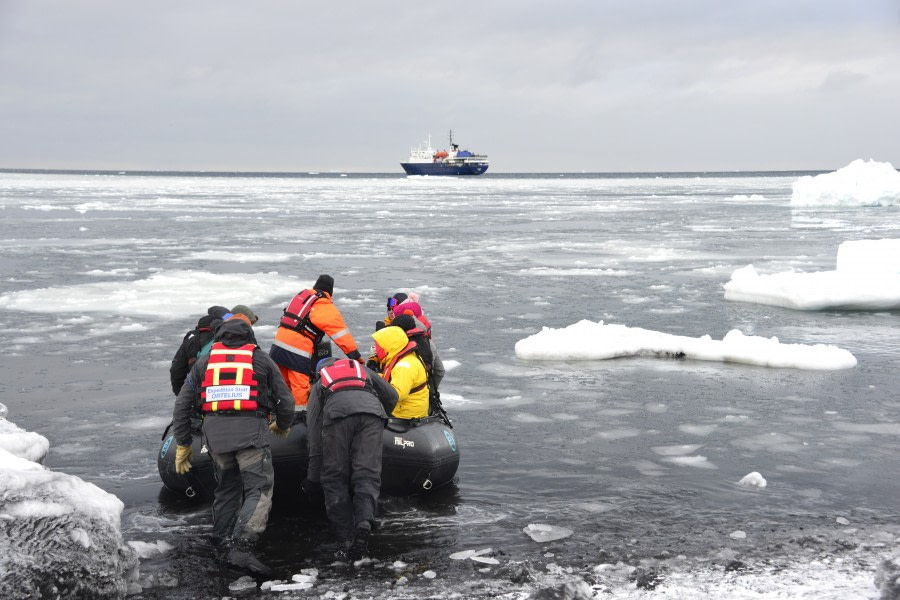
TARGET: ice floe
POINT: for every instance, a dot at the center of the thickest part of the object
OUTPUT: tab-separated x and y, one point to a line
866	277
861	183
588	340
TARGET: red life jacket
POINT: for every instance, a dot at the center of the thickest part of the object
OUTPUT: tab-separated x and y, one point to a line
343	374
296	315
229	383
410	348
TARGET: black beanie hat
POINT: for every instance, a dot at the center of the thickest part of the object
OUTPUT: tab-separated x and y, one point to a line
325	283
217	311
404	322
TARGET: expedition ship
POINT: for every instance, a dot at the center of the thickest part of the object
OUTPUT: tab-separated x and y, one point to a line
428	161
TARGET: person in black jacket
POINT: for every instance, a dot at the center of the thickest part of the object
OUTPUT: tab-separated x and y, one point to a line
347	409
193	341
236	387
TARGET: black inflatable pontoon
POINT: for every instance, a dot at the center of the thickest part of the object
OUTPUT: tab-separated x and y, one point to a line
418	455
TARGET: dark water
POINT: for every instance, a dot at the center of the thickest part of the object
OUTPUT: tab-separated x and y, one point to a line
582	445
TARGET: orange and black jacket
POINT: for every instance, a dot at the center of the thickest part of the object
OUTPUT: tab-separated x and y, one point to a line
295	350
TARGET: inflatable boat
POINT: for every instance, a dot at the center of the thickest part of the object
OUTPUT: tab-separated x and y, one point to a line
419	455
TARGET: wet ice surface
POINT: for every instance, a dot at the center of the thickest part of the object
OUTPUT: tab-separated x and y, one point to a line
640	457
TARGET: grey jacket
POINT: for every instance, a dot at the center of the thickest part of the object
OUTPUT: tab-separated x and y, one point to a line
380	401
230	432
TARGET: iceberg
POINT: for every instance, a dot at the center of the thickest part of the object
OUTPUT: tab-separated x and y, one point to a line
60	536
861	183
866	277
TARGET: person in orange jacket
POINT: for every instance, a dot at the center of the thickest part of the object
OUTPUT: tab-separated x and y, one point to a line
309	317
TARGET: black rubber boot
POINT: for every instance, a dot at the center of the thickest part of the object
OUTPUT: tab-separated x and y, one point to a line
240	556
360	545
337	549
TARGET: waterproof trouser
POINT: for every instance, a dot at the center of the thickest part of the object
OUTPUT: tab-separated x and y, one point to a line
351	472
243	496
299	384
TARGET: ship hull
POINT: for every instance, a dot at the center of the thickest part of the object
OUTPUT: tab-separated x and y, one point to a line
437	168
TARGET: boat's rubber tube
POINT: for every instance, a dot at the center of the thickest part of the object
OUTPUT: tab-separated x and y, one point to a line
419	455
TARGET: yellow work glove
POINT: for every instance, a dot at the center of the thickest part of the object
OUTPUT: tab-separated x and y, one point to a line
183	455
275	429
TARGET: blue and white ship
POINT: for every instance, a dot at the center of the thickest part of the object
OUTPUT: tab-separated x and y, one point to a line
425	160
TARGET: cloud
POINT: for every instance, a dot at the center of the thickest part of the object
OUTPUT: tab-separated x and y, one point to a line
275	85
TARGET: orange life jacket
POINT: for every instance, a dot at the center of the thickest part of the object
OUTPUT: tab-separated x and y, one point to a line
229	383
343	374
296	315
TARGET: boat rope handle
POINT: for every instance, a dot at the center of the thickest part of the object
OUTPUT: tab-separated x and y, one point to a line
190	493
426	485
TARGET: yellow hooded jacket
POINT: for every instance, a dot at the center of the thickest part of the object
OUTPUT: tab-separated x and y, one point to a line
408	373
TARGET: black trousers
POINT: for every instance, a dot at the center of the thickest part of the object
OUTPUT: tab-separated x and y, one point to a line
351	472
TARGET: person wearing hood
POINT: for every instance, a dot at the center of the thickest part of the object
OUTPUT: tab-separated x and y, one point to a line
347	410
237	388
404	370
310	316
425	347
192	343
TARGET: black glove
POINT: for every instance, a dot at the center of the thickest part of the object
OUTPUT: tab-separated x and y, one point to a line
355	355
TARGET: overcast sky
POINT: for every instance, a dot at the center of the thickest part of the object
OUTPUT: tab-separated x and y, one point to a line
538	85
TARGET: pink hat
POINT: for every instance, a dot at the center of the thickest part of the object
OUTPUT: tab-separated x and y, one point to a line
412	308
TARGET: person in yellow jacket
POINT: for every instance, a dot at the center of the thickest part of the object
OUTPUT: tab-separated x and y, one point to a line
404	370
309	317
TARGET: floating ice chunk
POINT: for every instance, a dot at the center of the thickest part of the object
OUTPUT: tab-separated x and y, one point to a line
698	462
701	430
842	521
821	290
676	450
546	533
429	574
587	340
861	183
398	564
464	554
486	560
267	585
302	578
244	583
290	587
753	479
737	535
